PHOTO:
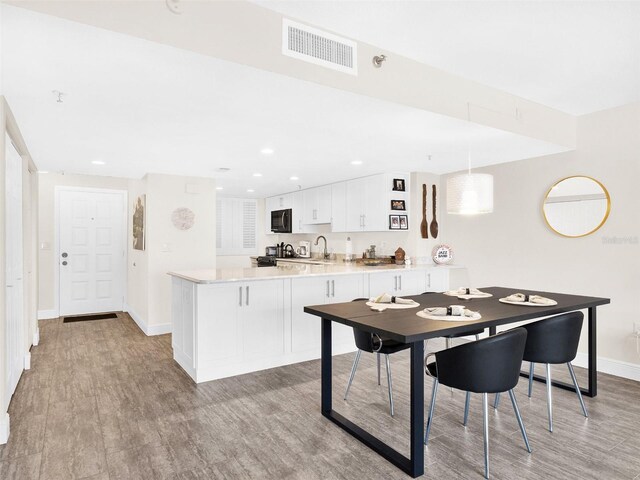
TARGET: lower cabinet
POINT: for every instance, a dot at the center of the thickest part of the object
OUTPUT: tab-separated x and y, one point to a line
226	329
305	328
398	283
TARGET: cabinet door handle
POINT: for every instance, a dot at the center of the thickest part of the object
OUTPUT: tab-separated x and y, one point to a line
240	296
364	220
429	279
333	288
400	281
395	282
327	288
247	304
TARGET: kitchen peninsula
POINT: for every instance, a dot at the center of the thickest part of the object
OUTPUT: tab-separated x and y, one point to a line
228	322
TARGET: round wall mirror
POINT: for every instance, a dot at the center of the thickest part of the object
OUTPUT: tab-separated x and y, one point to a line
576	206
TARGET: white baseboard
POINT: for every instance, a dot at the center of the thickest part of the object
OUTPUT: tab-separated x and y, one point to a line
4	428
160	329
610	366
36	337
46	314
148	330
27	361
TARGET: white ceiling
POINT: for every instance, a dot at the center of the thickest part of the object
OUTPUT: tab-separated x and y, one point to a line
143	107
576	56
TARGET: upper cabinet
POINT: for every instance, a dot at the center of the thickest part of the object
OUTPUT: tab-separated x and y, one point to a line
317	205
297	212
359	205
366	207
338	210
279	202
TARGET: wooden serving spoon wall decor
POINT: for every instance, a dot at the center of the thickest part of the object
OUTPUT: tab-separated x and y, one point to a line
423	225
434	222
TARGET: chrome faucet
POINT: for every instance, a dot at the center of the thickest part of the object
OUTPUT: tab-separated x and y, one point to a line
325	254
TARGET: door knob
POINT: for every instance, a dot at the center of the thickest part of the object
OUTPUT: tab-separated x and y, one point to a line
64	255
64	263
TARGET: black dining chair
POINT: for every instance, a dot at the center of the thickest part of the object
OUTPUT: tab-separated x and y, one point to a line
490	365
448	341
373	343
553	341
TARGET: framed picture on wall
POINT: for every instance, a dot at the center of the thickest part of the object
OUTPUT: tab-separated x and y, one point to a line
394	222
398	205
404	222
138	222
398	184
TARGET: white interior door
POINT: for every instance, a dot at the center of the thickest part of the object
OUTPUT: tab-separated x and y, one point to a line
14	268
91	251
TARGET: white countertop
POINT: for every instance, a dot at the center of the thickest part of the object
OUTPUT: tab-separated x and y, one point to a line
221	275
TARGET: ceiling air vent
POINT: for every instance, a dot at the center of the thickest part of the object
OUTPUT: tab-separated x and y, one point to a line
322	48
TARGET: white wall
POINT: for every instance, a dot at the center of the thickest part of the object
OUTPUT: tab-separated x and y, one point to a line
513	246
138	263
171	249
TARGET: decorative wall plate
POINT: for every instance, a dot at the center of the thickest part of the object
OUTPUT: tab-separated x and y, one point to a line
183	218
442	254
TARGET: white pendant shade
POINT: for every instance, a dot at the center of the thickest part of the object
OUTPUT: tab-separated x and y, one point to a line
470	194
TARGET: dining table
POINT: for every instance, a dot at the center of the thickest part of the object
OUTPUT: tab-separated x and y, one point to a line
404	325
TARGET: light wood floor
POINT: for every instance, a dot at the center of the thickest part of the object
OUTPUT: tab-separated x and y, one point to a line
103	401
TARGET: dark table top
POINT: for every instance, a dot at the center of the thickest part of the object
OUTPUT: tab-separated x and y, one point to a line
405	326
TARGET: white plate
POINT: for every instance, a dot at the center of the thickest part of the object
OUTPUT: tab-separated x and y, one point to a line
448	318
464	296
528	304
392	306
471	296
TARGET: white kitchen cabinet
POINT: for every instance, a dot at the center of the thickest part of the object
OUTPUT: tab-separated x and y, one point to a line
222	326
280	202
297	213
398	283
338	207
261	314
366	204
317	205
218	317
437	280
305	328
233	327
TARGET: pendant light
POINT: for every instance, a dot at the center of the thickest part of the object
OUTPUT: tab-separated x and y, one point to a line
470	193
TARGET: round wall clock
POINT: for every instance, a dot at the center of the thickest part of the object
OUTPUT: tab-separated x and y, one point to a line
442	254
183	218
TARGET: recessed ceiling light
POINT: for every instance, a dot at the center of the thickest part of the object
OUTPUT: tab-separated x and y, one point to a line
97	162
294	178
250	190
219	188
257	174
267	151
356	162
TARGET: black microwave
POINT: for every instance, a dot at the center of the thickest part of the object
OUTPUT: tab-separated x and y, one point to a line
281	221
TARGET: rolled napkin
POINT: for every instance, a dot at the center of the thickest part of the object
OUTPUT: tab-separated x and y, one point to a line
386	298
521	297
452	311
465	291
